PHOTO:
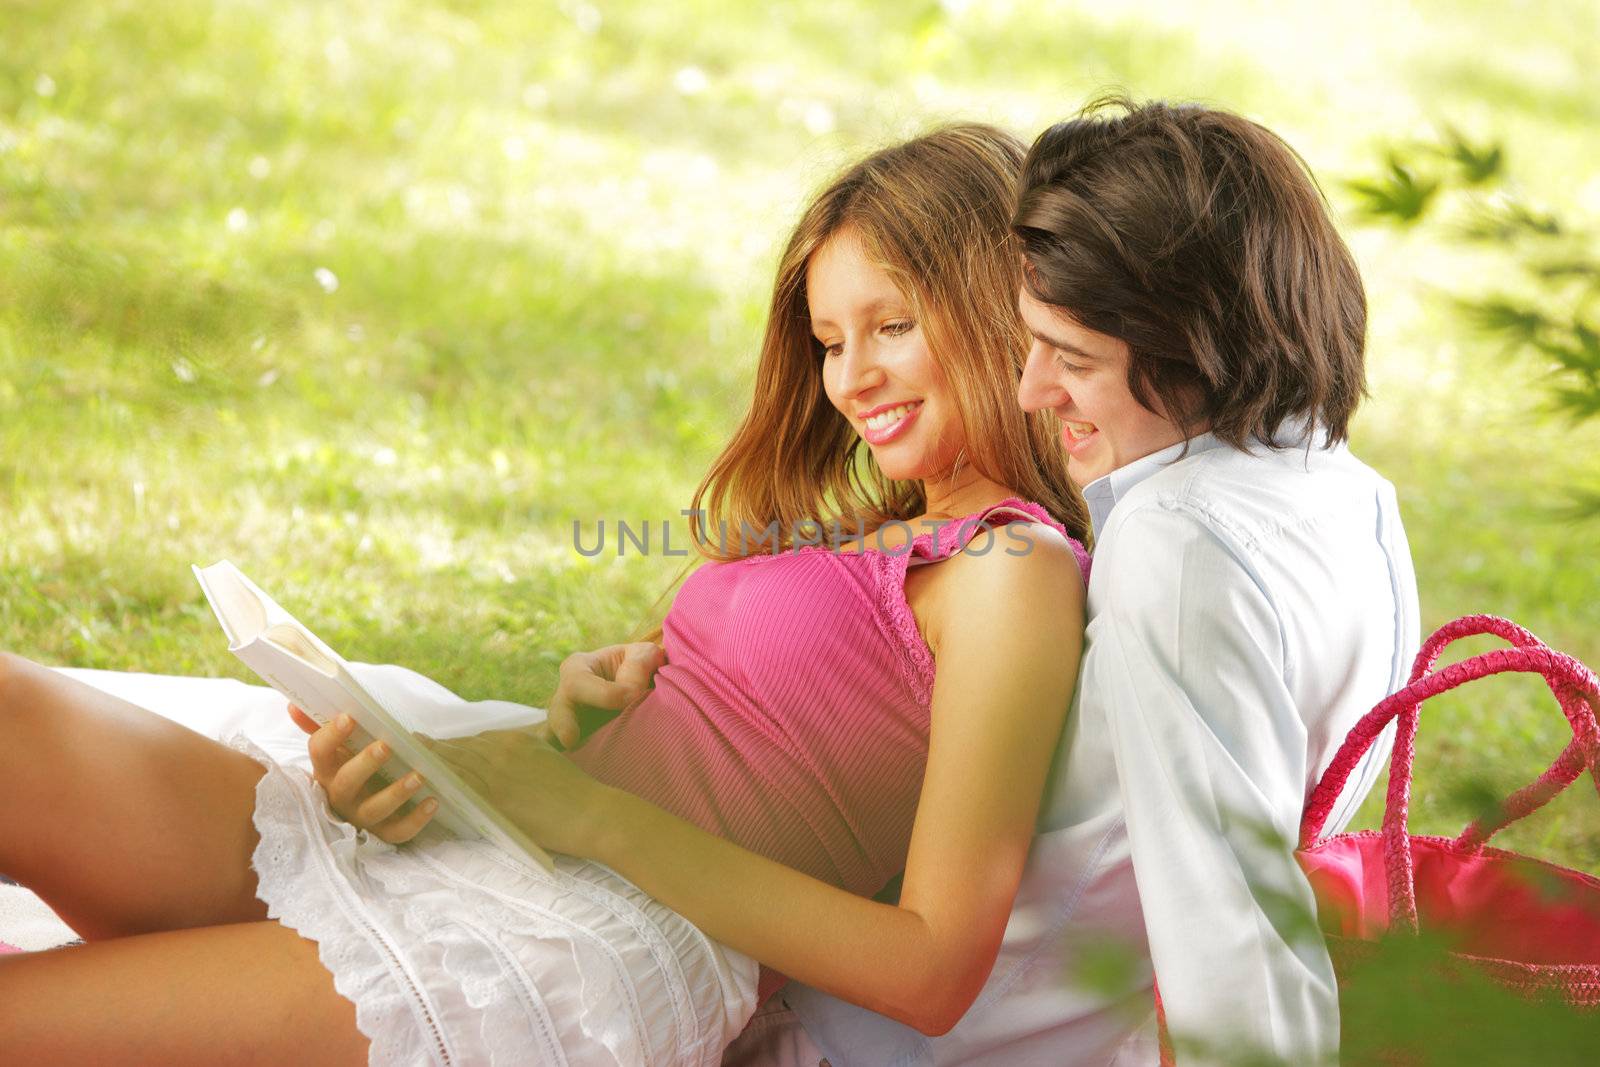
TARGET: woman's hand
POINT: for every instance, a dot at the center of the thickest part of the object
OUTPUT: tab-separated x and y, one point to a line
538	788
345	778
610	678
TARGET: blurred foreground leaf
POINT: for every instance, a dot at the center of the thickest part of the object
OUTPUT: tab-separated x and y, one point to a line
1397	195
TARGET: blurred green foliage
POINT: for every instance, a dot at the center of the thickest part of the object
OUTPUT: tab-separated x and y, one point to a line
1397	194
1412	1002
1546	307
379	298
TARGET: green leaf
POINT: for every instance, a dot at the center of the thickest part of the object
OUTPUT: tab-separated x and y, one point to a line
1580	403
1477	163
1508	221
1503	315
1399	195
1557	269
1575	348
1583	505
1588	343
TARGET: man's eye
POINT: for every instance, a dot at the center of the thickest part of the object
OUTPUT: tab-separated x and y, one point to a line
1068	366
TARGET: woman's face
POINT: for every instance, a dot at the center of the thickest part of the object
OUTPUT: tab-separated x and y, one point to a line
876	368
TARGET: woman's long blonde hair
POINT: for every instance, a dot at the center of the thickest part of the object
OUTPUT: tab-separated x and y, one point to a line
934	213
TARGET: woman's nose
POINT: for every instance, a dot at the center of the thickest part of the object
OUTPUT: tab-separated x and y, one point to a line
1043	384
860	370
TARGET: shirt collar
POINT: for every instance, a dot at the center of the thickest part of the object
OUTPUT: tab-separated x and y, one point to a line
1103	493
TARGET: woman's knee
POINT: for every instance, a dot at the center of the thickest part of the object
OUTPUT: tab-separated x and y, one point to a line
10	664
14	674
25	688
17	675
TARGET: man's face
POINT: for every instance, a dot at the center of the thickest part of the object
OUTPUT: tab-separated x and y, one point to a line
1082	376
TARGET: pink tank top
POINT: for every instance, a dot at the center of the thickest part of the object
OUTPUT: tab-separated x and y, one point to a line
791	716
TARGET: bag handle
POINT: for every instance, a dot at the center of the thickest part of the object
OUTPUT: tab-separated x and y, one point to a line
1568	679
1560	774
1365	733
1469	626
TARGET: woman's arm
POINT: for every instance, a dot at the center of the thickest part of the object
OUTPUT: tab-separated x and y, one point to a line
1007	638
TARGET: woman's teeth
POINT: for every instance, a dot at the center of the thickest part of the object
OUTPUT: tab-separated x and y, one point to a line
888	418
1079	430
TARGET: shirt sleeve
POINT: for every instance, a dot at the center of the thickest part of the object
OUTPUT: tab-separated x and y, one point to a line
1187	660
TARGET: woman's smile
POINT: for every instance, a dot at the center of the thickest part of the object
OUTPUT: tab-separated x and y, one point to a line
884	423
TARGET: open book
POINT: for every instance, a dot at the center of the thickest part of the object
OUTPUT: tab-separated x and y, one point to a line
292	660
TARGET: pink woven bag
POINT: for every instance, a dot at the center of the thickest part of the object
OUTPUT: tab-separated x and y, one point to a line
1531	926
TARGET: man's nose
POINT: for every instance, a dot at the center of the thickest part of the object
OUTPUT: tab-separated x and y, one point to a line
1042	384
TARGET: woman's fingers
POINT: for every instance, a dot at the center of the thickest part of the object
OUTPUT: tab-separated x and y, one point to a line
324	747
586	679
610	678
346	778
640	661
561	724
403	828
345	790
385	802
304	721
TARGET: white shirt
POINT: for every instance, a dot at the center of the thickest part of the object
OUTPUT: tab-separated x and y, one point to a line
1244	610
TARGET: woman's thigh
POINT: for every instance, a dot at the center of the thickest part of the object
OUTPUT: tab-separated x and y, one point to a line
247	993
122	821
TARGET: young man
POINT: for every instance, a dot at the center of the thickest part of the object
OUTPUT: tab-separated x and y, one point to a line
1199	328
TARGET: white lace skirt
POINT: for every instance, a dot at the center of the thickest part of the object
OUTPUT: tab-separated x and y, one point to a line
458	953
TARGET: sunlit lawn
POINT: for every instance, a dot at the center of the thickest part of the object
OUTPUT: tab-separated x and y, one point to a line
378	299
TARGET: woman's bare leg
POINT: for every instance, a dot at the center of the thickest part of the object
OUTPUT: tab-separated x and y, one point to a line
247	993
122	821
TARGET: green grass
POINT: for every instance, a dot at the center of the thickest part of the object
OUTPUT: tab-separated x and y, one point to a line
552	247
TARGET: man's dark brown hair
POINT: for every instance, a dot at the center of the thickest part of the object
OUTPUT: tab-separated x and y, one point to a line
1201	240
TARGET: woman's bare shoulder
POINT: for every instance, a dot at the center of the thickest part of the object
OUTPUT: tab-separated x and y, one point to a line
1027	574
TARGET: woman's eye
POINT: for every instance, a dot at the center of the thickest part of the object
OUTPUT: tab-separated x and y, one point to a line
895	329
830	350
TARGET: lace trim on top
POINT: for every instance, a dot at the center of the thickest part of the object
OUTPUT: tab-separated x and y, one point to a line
888	568
889	572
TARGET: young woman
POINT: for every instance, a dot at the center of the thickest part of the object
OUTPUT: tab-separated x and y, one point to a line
828	717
